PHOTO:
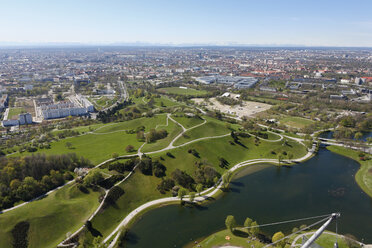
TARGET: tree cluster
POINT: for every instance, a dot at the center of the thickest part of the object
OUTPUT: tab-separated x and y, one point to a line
24	178
155	135
149	167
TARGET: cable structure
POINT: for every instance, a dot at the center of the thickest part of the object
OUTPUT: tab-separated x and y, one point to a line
303	229
289	221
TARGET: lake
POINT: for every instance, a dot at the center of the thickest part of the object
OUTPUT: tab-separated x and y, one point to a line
321	185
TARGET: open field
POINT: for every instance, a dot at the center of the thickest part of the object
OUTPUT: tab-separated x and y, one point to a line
364	175
14	112
160	102
188	121
296	122
219	239
138	189
181	91
51	217
173	130
247	109
211	150
212	127
110	138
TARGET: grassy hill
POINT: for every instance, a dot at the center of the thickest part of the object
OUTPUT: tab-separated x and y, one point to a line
50	218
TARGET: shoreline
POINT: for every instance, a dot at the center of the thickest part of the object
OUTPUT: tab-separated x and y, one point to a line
213	192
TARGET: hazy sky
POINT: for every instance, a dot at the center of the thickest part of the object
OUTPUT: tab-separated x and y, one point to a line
265	22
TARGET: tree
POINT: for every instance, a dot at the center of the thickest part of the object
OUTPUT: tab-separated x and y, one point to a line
254	228
358	136
181	193
278	236
226	179
279	159
129	148
230	222
199	188
294	230
93	178
192	196
115	155
68	145
248	222
97	242
369	140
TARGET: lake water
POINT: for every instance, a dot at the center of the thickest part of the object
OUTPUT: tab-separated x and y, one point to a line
321	185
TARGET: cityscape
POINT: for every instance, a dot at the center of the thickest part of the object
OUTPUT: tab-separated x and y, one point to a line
186	139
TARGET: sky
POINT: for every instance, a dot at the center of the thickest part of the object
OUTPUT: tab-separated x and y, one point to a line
182	22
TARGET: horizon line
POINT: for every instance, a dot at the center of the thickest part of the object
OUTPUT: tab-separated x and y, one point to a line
5	44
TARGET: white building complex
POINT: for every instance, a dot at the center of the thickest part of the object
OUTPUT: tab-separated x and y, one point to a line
23	119
77	106
236	81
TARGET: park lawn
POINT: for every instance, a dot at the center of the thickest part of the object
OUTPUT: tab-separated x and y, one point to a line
272	136
180	91
147	122
138	189
167	102
218	239
50	218
296	122
211	150
364	175
213	127
95	147
187	121
82	129
173	130
325	240
14	112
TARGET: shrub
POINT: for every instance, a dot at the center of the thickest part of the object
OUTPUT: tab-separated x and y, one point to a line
112	196
20	234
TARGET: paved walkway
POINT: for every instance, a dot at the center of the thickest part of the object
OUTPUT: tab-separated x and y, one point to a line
212	191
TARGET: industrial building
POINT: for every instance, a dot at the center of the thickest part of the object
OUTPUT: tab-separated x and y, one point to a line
235	81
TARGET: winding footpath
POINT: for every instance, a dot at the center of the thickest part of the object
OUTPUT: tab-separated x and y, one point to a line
206	194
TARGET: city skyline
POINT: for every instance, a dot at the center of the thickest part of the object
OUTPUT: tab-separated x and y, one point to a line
181	23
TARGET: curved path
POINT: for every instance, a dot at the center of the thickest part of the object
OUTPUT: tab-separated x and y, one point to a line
212	191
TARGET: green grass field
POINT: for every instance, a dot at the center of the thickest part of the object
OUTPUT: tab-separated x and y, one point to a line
212	149
188	122
213	127
218	239
180	91
167	102
50	218
14	112
110	138
296	122
173	130
148	123
364	175
138	189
